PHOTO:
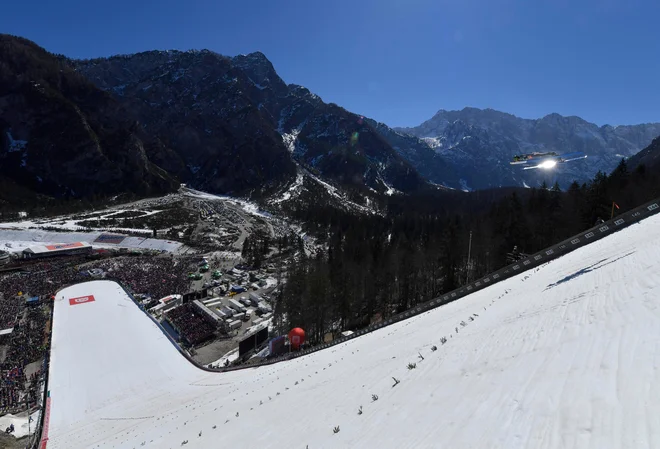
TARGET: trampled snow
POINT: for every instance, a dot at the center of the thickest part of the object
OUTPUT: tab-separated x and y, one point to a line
231	356
562	356
21	425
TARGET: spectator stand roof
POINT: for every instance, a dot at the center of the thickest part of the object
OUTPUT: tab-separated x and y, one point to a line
208	313
15	239
169	298
56	248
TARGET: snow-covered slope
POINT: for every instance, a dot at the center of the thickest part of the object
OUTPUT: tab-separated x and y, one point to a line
312	189
563	356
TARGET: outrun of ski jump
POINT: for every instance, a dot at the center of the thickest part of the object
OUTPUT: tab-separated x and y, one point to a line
561	356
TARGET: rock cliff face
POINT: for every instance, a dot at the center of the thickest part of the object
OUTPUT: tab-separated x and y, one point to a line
235	126
649	156
60	135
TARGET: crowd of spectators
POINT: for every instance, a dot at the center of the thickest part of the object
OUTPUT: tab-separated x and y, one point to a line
26	344
153	276
191	325
10	310
41	278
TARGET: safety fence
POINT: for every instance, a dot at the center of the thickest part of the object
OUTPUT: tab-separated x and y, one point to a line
553	252
39	438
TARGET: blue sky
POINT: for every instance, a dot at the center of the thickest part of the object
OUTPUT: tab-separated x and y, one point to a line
397	61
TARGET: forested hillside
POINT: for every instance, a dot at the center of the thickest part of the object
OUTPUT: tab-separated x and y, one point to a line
62	137
376	266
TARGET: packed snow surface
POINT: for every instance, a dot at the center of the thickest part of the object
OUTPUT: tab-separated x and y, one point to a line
562	356
247	206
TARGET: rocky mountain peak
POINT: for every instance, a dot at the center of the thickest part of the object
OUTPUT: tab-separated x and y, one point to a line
479	143
260	71
236	126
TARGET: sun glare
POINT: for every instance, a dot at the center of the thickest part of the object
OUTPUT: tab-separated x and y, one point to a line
548	164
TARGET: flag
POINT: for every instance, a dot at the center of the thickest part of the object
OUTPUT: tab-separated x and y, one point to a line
615	205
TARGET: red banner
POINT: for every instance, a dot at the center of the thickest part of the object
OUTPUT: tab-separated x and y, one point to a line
64	246
44	432
81	300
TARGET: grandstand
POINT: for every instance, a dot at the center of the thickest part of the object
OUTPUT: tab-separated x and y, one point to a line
190	323
213	319
60	249
113	239
24	238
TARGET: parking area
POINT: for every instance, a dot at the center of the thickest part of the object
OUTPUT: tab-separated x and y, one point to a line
242	299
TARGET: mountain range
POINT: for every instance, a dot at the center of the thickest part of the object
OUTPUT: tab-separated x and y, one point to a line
235	126
144	123
477	144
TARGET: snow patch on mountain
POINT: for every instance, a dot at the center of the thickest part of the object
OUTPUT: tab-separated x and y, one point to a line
14	144
464	185
390	190
293	190
290	139
336	193
119	90
433	142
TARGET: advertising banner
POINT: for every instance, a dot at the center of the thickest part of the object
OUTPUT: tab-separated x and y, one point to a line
81	300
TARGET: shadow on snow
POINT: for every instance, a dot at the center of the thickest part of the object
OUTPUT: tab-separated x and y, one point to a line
585	270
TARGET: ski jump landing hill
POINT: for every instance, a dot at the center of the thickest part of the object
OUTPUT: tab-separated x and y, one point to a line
561	356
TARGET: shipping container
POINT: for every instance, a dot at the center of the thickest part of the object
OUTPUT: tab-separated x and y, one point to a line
255	299
237	306
264	307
